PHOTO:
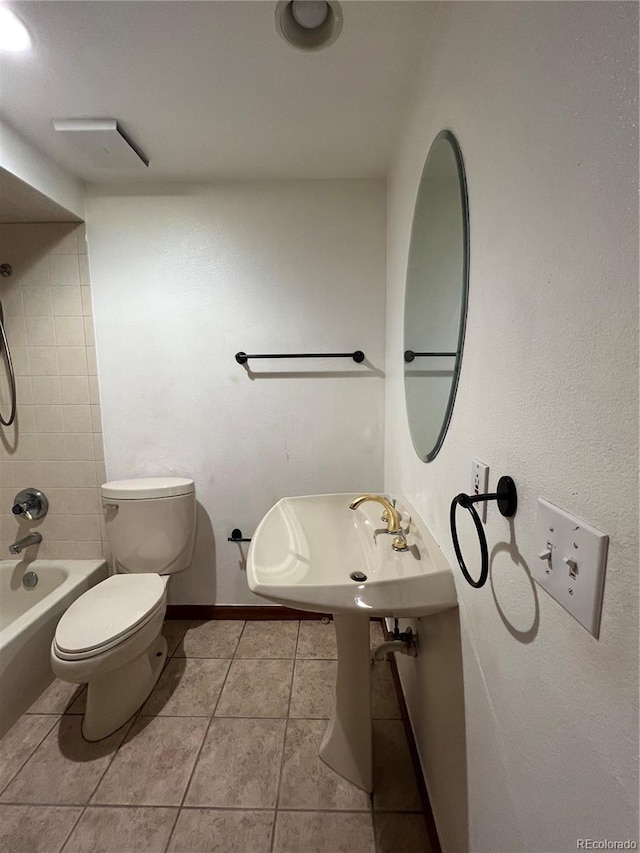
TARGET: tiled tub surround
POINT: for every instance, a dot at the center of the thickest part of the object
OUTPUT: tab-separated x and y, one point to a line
28	619
56	443
222	757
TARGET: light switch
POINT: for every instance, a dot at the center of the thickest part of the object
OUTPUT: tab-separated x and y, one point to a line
571	563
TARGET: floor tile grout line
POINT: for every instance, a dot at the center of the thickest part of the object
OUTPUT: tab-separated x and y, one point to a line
164	806
284	742
199	752
236	658
131	723
235	651
33	751
173	828
73	829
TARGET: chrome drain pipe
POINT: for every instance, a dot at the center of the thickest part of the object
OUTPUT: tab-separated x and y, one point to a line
404	643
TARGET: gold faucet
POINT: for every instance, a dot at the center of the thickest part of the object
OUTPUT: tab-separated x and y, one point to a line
390	515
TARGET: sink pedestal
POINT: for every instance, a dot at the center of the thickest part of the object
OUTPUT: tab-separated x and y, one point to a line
347	744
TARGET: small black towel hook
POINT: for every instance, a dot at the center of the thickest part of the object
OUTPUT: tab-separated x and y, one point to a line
236	536
507	499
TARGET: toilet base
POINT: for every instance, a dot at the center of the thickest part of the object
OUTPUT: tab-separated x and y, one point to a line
114	697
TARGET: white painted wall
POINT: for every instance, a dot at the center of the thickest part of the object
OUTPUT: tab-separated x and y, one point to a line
21	159
183	278
542	97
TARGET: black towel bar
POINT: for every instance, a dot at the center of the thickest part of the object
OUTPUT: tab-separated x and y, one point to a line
409	355
357	356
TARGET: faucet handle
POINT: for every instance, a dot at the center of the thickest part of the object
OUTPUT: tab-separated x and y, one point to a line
405	521
31	504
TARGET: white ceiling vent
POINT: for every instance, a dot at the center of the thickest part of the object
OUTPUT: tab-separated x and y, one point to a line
103	141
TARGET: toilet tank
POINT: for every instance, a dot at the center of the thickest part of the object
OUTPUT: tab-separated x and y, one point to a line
150	523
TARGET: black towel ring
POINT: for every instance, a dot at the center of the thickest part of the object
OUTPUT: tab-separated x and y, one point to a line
507	498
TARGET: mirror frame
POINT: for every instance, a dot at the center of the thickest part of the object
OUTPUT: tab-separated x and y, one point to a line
464	302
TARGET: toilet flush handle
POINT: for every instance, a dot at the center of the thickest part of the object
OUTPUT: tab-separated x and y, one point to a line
110	506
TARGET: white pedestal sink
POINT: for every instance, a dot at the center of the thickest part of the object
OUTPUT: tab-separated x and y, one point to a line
303	554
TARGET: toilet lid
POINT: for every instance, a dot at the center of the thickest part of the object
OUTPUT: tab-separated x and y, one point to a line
108	610
145	488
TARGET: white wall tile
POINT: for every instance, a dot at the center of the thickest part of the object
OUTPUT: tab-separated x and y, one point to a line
94	391
69	474
26	419
24	389
98	447
51	447
49	418
77	419
89	335
58	408
69	331
15	328
72	361
20	359
92	364
66	301
66	243
80	447
75	389
19	474
43	361
46	389
25	450
89	550
34	272
83	264
37	301
74	528
96	420
12	303
64	271
39	332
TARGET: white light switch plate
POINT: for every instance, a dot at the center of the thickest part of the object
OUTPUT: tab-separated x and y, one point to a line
570	563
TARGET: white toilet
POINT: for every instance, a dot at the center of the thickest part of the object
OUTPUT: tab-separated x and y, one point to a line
111	637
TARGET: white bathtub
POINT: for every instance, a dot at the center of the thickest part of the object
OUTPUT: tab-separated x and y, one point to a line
28	619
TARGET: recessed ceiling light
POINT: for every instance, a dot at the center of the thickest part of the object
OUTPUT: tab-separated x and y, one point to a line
310	14
309	24
13	33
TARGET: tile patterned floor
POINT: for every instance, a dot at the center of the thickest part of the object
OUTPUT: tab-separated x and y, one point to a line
223	756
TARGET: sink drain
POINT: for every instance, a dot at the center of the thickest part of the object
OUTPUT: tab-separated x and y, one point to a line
358	576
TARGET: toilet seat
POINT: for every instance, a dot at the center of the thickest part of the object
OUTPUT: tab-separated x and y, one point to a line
108	614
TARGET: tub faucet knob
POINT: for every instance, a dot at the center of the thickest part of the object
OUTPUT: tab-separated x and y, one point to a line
31	504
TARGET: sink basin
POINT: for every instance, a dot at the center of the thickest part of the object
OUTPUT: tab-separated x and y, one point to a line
305	549
302	555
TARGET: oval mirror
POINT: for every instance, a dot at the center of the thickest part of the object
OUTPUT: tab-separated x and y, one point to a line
435	306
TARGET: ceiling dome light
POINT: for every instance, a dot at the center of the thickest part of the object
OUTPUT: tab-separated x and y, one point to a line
309	24
310	14
13	33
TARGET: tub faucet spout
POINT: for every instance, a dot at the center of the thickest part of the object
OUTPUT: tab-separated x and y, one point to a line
21	544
